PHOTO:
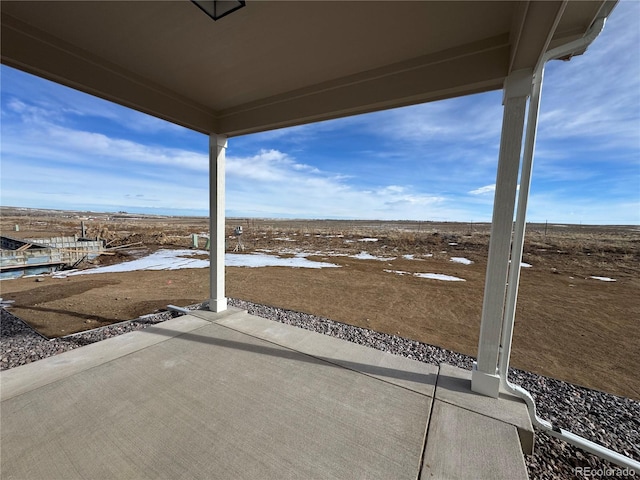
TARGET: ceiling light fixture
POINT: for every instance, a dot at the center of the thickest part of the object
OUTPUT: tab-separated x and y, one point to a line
217	9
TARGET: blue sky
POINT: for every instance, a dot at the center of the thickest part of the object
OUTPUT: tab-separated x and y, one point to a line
64	149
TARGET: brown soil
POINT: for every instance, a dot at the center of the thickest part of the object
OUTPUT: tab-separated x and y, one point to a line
568	326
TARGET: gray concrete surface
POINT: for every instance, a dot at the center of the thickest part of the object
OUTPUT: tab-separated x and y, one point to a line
233	396
454	387
37	374
416	376
464	445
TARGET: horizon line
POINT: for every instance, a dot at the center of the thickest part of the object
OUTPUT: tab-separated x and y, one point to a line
301	219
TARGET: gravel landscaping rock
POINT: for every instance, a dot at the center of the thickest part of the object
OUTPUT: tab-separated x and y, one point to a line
20	344
607	419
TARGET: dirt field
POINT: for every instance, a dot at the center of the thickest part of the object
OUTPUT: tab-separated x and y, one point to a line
569	326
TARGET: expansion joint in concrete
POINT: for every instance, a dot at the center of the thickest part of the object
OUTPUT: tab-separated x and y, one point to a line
426	431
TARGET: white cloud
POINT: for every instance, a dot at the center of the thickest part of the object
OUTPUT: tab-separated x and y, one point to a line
474	119
46	140
65	186
267	166
271	183
16	105
483	190
64	167
43	99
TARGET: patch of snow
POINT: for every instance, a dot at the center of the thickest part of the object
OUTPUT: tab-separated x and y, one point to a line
523	264
349	241
175	259
303	254
462	260
368	240
285	239
398	272
159	260
331	254
439	276
453	244
260	260
432	276
368	256
604	279
62	276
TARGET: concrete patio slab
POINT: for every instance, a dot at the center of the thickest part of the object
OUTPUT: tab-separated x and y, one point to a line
211	403
454	387
416	376
462	444
232	395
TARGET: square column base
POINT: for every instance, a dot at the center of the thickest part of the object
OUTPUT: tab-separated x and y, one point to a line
218	304
485	383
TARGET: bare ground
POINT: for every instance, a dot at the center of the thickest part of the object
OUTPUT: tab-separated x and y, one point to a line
568	325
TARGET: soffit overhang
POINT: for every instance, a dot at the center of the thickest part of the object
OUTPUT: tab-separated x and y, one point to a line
275	64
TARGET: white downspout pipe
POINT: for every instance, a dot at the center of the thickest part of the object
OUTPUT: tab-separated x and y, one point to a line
516	259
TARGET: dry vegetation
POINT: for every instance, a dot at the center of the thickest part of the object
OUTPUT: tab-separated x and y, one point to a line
568	326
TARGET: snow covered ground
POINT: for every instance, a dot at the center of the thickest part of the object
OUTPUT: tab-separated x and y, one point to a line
440	276
159	260
264	260
368	256
604	279
432	276
177	259
462	260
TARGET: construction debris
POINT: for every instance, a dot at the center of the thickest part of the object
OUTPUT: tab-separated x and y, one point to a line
42	255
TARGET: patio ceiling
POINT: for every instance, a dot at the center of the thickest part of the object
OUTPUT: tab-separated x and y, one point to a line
281	63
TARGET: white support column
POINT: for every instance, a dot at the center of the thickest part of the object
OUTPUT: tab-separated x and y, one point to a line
217	148
517	88
517	246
